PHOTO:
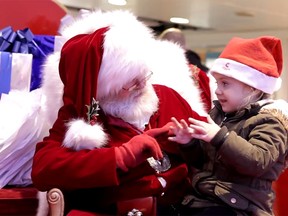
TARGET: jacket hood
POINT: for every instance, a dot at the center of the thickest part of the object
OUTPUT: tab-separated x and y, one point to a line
277	108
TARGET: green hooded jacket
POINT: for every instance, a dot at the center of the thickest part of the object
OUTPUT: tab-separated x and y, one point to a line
240	163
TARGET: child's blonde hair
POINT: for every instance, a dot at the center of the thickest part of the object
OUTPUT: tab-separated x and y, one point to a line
255	96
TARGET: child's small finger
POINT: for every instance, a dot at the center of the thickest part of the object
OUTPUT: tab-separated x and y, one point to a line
184	124
175	121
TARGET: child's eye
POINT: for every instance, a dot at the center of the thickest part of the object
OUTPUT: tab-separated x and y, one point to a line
222	83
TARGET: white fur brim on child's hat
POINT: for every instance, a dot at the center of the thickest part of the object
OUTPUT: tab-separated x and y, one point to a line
256	62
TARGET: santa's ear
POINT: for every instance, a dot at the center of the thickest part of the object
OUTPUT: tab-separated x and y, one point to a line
81	135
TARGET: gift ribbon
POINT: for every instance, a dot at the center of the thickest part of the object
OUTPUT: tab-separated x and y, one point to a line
20	41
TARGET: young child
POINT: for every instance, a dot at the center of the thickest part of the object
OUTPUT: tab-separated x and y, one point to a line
242	149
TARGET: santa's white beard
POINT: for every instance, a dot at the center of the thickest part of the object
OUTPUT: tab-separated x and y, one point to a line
135	110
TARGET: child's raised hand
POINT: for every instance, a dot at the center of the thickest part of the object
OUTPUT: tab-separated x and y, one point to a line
181	130
204	130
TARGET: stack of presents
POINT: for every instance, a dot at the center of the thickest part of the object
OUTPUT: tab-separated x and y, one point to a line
21	57
26	39
22	53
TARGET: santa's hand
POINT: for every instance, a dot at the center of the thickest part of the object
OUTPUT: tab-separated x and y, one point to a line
160	131
204	130
182	133
136	151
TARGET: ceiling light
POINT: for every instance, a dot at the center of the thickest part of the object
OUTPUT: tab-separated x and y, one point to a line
117	2
179	20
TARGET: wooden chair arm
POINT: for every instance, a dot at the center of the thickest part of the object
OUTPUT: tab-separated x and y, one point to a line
55	200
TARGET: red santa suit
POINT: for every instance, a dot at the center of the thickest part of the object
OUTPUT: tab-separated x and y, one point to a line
80	158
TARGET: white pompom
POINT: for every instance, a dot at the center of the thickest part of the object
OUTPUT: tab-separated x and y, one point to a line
81	135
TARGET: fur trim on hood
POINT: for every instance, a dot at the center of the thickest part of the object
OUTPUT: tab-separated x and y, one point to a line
279	109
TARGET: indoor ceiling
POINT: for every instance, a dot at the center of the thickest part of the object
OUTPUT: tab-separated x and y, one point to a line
203	15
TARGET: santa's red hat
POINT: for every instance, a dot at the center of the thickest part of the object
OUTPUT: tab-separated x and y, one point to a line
256	62
97	65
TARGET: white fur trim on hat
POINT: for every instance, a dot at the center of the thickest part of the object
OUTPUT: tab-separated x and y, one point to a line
52	87
81	135
246	74
127	51
127	44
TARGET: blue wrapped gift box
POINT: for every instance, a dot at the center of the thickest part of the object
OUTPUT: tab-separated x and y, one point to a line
5	72
23	41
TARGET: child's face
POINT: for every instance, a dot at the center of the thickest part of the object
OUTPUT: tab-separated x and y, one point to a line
231	93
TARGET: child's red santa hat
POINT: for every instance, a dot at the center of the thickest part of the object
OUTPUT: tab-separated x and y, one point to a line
99	64
255	62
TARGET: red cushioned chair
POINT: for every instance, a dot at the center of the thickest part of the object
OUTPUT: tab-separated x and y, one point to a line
18	201
145	205
281	189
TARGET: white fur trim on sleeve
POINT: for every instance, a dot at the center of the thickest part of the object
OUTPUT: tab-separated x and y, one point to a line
81	135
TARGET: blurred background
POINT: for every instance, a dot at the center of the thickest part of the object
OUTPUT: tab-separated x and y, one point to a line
207	24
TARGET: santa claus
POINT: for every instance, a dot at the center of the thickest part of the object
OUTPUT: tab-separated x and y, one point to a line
119	88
